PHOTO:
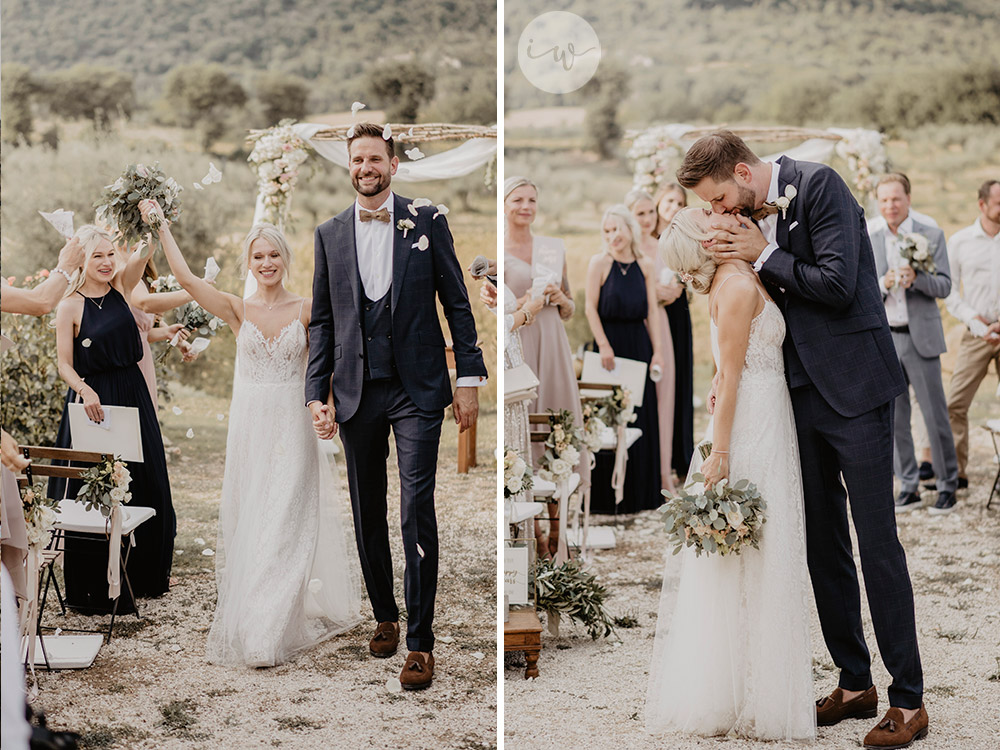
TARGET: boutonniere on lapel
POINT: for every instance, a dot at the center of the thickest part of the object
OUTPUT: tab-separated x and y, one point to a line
405	225
783	202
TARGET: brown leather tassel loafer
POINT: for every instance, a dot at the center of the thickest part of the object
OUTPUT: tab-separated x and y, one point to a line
385	641
833	708
892	732
418	671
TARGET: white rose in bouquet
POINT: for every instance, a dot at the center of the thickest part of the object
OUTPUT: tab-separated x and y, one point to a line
560	467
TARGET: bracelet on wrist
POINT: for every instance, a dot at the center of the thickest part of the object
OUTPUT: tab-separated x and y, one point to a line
69	279
723	453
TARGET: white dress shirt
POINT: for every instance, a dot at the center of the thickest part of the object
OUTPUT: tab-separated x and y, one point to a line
769	224
974	258
879	221
373	241
895	298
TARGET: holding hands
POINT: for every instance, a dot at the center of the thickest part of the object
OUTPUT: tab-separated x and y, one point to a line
323	416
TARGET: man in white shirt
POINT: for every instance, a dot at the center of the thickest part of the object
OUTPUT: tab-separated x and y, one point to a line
377	364
917	334
974	255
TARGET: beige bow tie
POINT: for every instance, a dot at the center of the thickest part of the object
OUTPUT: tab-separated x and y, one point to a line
381	215
764	211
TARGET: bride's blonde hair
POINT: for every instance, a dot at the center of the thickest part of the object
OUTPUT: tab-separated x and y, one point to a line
680	248
90	237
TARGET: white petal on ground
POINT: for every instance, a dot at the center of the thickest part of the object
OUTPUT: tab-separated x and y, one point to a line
446	639
414	153
199	541
478	655
177	410
189	434
355	107
386	132
208	552
393	685
178	552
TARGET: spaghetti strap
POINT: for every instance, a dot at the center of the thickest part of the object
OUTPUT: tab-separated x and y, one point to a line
302	304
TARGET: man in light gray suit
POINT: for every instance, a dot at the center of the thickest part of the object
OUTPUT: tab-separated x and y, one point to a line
915	321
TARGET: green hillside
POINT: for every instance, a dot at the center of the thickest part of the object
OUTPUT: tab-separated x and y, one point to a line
330	43
766	60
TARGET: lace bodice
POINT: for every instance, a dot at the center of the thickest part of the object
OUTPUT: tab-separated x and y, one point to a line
767	333
279	360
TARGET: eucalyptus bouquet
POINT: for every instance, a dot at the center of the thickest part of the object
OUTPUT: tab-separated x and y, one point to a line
725	518
105	485
119	203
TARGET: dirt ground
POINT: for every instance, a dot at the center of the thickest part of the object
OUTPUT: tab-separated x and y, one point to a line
592	693
151	687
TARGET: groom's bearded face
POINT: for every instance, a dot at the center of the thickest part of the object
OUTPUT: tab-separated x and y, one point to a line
370	166
730	196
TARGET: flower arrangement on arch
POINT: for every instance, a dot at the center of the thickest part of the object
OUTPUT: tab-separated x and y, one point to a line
39	514
865	154
656	157
105	485
562	448
516	473
277	156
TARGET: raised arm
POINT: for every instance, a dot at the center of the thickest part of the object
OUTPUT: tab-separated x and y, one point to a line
735	306
44	297
159	302
227	306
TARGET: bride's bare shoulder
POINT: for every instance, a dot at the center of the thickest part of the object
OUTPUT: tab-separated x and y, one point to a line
734	295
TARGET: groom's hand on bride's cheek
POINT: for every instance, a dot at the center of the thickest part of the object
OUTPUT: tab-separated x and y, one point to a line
734	240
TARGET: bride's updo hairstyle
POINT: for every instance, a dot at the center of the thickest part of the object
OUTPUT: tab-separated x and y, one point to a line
269	232
681	250
90	237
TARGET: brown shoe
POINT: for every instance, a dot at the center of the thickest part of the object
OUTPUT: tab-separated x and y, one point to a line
385	641
892	732
834	708
417	672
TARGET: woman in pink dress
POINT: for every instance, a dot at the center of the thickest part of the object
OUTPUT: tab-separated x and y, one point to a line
668	290
544	344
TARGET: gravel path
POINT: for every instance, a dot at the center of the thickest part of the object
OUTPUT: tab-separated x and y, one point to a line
151	687
590	694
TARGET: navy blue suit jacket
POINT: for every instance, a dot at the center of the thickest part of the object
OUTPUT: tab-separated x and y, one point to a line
834	314
419	277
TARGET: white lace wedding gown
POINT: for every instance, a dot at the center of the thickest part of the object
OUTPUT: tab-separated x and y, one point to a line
732	653
285	577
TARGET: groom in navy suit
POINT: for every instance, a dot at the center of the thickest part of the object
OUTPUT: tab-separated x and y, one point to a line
377	363
808	243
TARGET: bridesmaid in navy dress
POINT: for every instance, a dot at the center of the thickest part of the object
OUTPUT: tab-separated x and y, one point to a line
621	296
99	348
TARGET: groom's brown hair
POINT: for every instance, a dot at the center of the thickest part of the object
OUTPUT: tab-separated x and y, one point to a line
370	130
714	156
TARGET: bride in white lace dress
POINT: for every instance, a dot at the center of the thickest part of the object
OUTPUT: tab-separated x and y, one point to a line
732	653
285	578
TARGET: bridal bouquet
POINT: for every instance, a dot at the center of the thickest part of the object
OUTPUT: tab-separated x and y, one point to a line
39	514
119	204
562	448
516	474
105	485
915	251
724	519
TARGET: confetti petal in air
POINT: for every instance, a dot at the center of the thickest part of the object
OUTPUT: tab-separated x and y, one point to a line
414	153
315	585
61	219
355	107
177	410
221	417
423	243
197	186
350	132
86	343
442	210
214	175
189	434
420	550
423	202
386	132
